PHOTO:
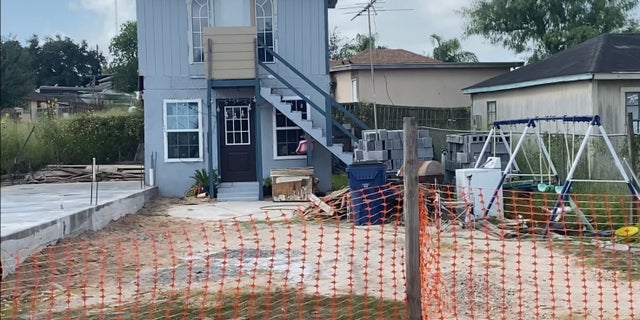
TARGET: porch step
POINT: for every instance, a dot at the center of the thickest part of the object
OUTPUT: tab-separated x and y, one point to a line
238	191
318	134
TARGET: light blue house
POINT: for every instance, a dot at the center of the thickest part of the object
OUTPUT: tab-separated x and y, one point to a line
232	85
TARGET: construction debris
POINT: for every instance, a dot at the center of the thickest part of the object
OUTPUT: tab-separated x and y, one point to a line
83	173
337	202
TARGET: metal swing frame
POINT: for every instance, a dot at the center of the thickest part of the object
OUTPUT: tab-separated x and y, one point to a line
594	124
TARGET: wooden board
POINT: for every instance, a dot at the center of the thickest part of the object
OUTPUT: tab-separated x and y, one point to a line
293	184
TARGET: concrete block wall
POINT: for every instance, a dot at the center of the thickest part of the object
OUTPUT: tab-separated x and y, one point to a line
387	146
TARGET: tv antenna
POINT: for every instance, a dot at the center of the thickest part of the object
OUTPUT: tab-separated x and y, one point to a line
367	9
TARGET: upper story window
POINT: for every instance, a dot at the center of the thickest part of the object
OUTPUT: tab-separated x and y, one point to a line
199	20
231	13
264	23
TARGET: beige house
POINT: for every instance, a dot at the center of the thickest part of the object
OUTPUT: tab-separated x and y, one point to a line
405	78
600	76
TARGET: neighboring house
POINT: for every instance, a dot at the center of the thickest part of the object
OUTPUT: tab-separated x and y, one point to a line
405	78
600	76
232	86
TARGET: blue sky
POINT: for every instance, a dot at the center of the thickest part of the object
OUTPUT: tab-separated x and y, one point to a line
95	22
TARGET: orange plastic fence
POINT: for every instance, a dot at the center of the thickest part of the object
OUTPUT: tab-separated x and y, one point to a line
286	265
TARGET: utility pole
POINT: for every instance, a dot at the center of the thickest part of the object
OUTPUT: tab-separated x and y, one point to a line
116	15
368	8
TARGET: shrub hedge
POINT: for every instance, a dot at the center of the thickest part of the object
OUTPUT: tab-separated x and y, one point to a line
110	138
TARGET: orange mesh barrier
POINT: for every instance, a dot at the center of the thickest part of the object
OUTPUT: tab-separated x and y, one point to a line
513	263
349	264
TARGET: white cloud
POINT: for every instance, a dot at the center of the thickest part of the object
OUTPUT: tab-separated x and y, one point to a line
104	28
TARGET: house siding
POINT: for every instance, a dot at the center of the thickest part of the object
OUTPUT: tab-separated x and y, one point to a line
570	98
163	50
609	103
416	87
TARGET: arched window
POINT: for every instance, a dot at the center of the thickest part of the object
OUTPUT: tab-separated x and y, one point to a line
199	20
264	23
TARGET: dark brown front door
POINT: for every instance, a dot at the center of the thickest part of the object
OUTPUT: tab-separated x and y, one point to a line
237	141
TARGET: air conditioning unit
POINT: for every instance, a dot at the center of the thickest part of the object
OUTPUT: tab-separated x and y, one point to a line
476	121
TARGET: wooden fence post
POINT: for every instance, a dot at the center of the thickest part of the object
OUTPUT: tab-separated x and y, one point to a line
412	219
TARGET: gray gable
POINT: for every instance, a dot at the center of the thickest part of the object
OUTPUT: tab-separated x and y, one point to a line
607	53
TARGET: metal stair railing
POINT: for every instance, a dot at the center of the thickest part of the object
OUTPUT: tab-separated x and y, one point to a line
330	102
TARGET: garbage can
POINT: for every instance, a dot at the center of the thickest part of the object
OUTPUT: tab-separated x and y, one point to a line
368	197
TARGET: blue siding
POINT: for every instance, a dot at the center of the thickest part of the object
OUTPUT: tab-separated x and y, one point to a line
164	62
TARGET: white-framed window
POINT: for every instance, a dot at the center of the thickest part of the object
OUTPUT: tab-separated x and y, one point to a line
182	130
286	134
354	90
631	98
265	22
491	113
204	13
237	125
198	19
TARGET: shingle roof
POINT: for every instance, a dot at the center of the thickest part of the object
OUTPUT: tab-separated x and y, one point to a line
607	53
385	56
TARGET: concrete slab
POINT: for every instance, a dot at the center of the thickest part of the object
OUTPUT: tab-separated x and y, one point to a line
33	216
240	210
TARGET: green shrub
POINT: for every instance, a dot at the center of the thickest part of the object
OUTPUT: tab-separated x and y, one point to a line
110	138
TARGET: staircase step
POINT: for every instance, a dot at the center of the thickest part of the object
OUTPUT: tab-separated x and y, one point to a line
238	191
274	97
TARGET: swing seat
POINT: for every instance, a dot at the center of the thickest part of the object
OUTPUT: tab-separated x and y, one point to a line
543	187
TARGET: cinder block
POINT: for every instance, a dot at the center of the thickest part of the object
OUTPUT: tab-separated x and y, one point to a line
382	134
425	142
380	155
397	145
359	154
423	133
394	135
396	154
369	146
425	153
379	145
369	135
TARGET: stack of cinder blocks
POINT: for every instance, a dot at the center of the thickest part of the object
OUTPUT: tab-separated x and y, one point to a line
387	146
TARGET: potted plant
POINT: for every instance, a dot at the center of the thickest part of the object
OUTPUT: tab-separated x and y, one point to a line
201	182
266	187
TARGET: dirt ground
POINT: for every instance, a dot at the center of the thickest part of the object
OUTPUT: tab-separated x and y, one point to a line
144	257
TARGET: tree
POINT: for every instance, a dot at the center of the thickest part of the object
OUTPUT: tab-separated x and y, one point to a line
450	50
124	66
16	77
545	27
341	48
60	61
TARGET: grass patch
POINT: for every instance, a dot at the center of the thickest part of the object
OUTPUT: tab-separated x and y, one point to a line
246	305
339	181
625	263
605	211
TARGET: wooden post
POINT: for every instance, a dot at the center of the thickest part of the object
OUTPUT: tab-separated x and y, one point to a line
632	159
632	156
411	219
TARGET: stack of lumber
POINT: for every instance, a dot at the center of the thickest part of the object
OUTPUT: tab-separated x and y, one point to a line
333	205
82	173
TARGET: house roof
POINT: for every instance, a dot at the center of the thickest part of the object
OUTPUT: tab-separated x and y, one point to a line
403	59
606	55
384	56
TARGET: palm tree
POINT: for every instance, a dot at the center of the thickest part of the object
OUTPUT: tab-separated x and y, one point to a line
450	51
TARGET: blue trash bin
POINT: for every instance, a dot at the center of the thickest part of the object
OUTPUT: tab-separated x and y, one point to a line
368	196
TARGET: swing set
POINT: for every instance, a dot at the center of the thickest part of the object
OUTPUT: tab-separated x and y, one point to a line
551	183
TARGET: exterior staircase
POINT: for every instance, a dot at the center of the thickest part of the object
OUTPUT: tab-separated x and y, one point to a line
274	97
238	191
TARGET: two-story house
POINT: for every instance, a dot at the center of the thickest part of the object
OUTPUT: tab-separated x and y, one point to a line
232	86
